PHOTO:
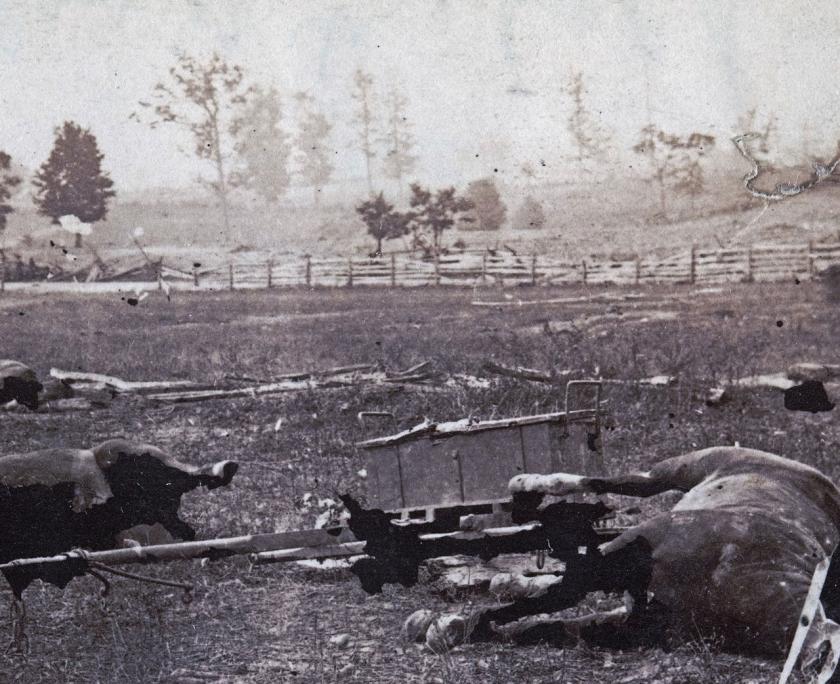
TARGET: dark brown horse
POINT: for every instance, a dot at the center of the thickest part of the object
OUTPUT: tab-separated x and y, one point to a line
733	560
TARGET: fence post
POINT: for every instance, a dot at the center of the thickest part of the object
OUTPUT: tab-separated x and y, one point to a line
393	270
350	272
268	266
810	258
484	267
159	274
195	275
534	270
692	269
638	276
2	270
437	269
583	263
230	275
308	274
749	276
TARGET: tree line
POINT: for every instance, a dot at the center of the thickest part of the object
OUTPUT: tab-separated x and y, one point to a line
240	130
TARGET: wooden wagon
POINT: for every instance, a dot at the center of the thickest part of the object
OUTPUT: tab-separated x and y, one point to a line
467	464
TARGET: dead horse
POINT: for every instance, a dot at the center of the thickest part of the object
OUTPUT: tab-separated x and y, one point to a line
733	560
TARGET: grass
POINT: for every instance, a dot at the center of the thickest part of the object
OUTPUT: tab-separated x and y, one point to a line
273	623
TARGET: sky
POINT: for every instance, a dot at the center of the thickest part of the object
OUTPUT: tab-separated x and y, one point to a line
485	79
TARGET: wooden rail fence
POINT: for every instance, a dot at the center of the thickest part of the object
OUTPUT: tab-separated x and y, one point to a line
703	266
770	263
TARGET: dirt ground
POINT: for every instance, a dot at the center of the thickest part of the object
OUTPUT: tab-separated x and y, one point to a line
274	623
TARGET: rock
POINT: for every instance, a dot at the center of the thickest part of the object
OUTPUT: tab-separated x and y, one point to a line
717	396
340	640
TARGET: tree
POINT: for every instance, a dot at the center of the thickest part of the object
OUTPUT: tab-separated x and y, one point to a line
203	97
313	157
589	138
383	223
71	181
530	214
399	142
262	146
363	95
434	213
8	181
673	160
490	211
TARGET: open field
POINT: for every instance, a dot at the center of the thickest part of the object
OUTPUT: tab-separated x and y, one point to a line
273	623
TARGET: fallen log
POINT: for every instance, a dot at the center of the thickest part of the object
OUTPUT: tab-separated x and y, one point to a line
118	384
518	372
286	386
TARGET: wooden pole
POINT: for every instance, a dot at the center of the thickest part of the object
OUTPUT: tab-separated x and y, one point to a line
214	548
2	270
534	270
484	267
692	269
393	270
350	272
583	263
195	275
230	275
308	276
811	268
638	275
437	269
268	266
749	276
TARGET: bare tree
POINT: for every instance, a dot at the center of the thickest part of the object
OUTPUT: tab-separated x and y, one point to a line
589	138
363	95
262	146
203	97
399	141
313	156
673	159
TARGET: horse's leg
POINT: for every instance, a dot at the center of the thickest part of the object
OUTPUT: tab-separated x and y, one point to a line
564	484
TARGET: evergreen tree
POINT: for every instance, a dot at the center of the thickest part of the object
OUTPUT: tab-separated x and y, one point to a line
71	182
8	181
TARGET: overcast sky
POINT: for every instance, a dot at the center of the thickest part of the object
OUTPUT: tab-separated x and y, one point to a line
482	77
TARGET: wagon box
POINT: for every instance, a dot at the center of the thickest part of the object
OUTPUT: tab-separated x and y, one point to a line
469	463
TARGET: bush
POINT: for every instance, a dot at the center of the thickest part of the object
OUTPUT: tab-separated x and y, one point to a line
489	211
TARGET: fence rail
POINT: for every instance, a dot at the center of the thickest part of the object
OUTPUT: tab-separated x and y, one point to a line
761	262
